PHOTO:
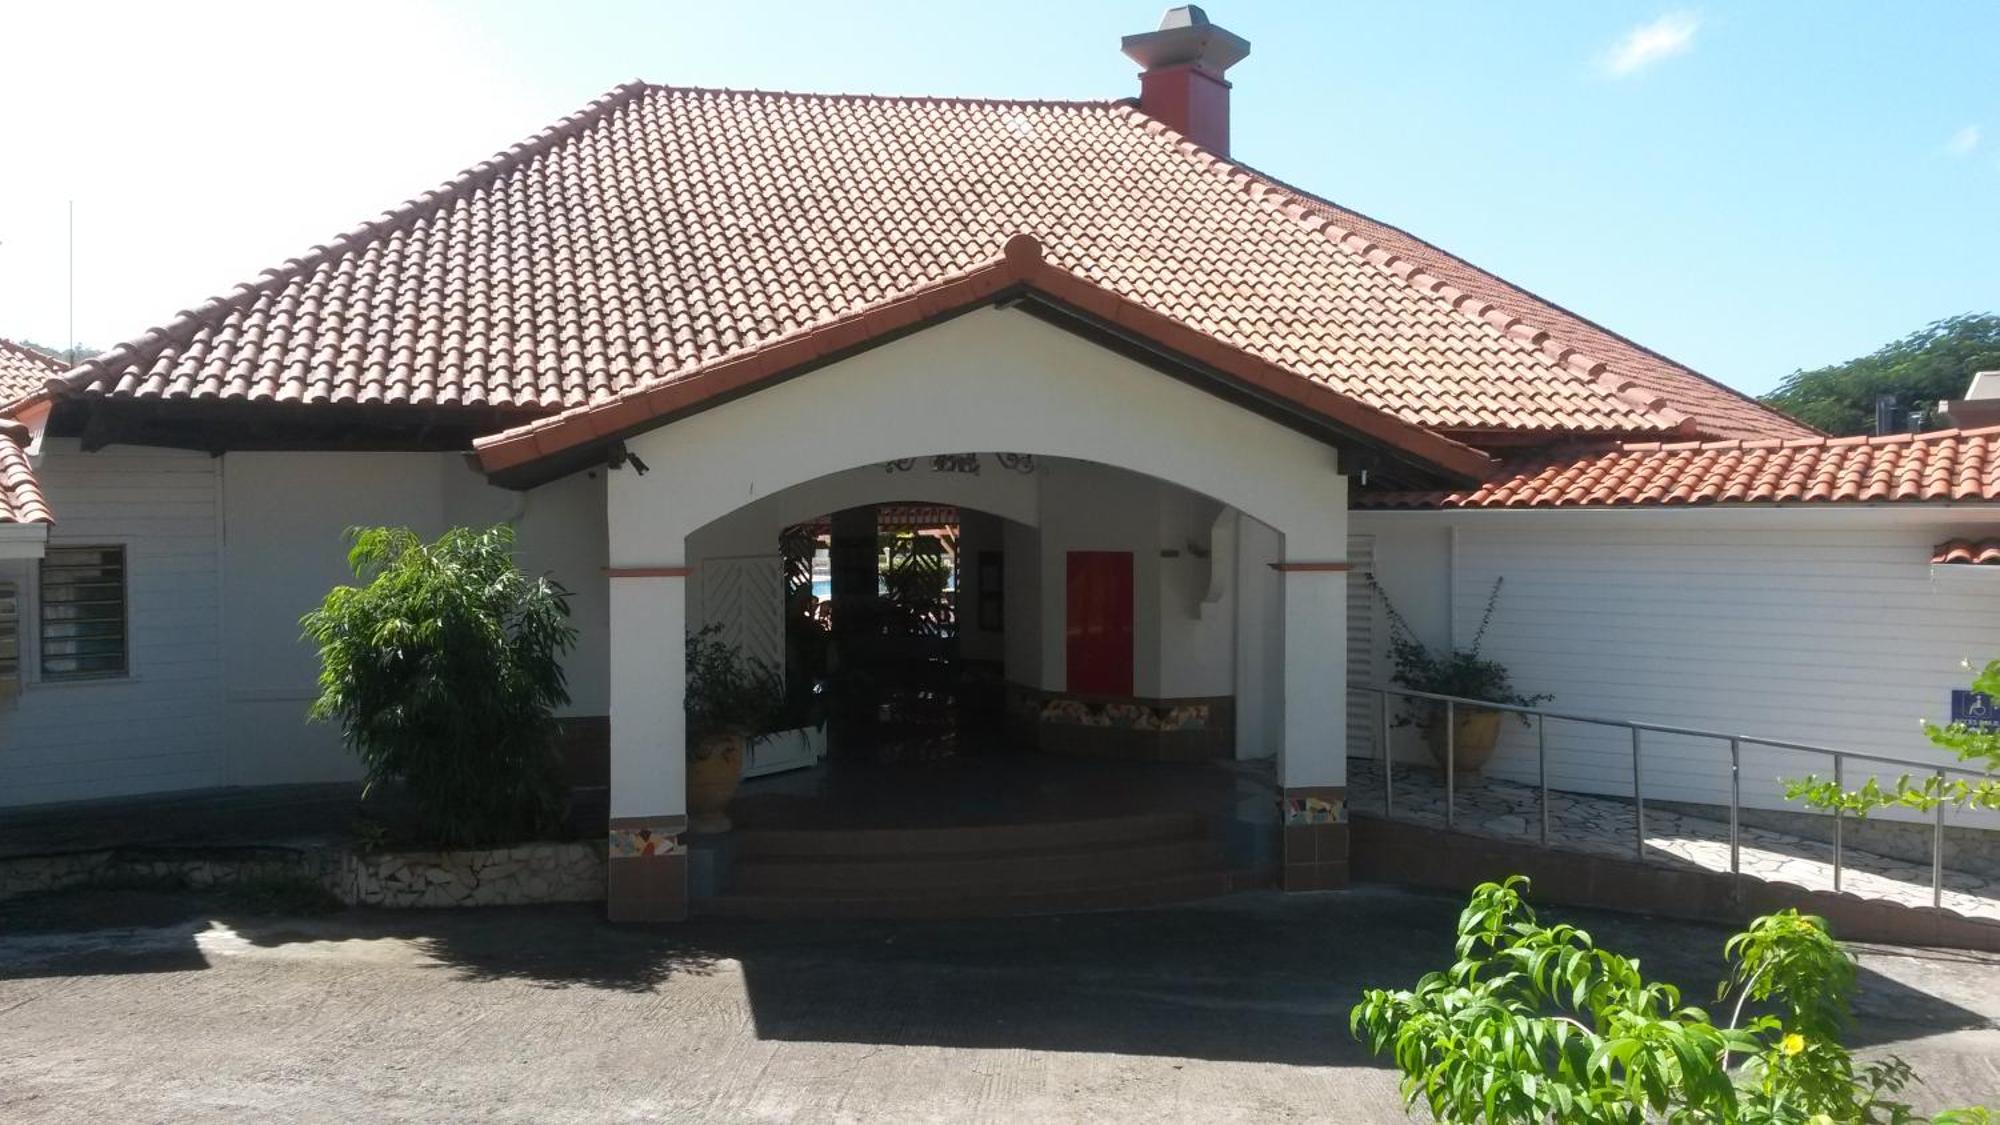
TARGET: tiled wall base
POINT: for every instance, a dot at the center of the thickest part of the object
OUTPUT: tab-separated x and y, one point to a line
1313	820
647	870
1141	730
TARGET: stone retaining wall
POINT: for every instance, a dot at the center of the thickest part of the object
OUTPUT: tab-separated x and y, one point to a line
528	873
193	867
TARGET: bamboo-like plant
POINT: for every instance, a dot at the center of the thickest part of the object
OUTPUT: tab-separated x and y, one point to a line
443	667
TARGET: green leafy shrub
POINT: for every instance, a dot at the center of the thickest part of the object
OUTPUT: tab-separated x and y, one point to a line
1460	672
1967	744
729	692
1537	1023
443	668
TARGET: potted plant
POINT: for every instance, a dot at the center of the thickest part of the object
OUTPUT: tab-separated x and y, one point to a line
1460	672
729	697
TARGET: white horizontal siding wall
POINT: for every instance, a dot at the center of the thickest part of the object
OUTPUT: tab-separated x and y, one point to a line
1786	627
160	727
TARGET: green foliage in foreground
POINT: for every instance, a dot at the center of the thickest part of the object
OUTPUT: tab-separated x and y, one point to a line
444	669
1969	745
1537	1024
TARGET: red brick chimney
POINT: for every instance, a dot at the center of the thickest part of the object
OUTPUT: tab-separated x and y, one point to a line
1182	84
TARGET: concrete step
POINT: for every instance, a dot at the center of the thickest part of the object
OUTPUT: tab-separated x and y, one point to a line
1006	872
974	902
980	840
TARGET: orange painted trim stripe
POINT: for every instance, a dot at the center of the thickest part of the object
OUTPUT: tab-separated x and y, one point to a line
1305	567
648	571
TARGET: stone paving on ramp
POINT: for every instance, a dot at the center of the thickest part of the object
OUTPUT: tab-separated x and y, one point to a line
1606	826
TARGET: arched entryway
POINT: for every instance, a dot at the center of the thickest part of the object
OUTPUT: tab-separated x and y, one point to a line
990	384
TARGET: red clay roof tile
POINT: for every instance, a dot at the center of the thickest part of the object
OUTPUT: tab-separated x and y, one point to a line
1946	465
24	371
1020	265
1967	552
1631	370
660	230
21	499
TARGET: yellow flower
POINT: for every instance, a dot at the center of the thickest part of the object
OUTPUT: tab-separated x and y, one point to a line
1792	1044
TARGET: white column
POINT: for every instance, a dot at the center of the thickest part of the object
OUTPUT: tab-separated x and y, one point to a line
648	681
1314	749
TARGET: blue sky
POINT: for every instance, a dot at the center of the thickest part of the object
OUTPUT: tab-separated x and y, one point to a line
1749	188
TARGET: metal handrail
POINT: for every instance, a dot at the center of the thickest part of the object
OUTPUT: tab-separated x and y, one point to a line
1736	742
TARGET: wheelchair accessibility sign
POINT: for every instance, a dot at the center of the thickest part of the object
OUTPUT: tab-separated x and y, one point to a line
1975	709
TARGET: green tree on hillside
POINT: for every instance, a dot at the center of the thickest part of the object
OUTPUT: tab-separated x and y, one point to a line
67	355
1927	366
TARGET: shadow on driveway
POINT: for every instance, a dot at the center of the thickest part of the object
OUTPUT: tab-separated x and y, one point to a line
1256	977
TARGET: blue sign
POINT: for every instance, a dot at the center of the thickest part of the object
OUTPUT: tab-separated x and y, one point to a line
1975	709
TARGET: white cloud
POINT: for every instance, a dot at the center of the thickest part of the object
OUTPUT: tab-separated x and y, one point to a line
1964	141
1650	43
205	141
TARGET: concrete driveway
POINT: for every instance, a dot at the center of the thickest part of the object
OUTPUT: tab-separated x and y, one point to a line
156	1007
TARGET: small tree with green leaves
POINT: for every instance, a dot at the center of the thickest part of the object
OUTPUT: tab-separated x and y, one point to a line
1536	1023
1968	744
443	668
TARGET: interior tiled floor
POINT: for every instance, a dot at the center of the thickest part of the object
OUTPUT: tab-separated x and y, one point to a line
1607	826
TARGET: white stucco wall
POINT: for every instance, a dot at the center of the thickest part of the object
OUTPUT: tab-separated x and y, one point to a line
1197	638
224	556
1022	643
1259	641
159	727
285	518
1827	627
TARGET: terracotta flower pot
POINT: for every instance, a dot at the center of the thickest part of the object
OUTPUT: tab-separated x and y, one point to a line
715	769
1473	741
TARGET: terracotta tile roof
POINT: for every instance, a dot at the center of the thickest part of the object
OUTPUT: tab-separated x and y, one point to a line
1967	552
1948	465
1636	371
1021	268
21	499
24	371
661	229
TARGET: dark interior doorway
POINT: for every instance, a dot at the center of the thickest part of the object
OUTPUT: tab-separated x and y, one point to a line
873	620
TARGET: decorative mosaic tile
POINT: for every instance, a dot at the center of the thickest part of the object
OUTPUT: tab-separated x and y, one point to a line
633	843
1313	810
1127	716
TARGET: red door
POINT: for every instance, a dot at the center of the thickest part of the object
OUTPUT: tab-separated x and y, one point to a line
1100	622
